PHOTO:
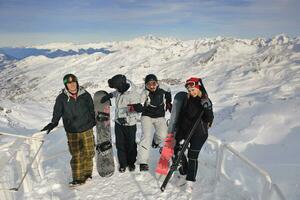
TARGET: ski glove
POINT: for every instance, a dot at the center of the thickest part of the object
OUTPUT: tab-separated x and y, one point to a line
49	127
106	97
169	106
135	107
122	121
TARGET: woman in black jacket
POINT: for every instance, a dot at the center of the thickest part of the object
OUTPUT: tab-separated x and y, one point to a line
197	105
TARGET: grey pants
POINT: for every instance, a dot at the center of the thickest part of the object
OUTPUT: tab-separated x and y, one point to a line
161	129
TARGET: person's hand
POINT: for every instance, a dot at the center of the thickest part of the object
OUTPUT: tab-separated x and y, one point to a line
209	124
106	98
130	108
122	121
169	106
135	107
49	127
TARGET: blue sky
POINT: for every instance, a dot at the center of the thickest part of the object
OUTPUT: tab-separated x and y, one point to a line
30	22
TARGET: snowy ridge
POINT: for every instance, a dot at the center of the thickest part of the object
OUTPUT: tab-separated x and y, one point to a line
6	60
254	85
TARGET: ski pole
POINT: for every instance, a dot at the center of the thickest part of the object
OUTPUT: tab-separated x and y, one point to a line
184	147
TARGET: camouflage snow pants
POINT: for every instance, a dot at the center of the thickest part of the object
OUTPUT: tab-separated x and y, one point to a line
82	149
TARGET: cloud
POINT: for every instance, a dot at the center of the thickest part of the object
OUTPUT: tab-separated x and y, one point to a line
133	17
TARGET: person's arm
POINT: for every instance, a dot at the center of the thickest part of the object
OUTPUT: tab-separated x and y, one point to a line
208	115
143	97
135	103
91	108
57	113
57	110
168	97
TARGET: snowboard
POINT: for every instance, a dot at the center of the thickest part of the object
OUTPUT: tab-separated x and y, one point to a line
104	152
168	148
176	163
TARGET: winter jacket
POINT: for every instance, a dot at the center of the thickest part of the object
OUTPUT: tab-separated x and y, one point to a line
122	101
78	115
154	102
190	112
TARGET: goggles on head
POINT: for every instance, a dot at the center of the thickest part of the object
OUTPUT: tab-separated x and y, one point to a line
70	79
191	84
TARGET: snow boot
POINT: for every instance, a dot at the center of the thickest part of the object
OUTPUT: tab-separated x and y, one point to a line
131	168
122	169
75	183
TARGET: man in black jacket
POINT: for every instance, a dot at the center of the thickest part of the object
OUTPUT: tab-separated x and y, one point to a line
75	105
155	103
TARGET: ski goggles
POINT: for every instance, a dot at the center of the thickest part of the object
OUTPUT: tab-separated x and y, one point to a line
191	84
70	79
151	83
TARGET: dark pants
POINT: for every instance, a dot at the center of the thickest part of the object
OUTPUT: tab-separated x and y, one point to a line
196	143
190	168
126	145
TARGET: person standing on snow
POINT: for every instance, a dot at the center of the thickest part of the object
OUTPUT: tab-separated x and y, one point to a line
197	104
125	120
75	105
156	102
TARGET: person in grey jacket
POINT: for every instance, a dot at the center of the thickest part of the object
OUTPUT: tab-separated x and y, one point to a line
125	120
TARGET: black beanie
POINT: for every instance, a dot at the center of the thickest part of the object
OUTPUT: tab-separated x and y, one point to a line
150	77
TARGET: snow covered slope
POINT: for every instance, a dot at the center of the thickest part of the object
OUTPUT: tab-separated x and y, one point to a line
5	60
254	85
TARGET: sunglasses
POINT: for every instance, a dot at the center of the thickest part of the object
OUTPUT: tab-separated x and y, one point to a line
151	83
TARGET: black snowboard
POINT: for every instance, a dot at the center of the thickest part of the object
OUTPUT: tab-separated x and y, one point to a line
104	152
167	150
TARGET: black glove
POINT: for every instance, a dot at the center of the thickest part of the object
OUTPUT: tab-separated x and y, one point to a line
49	127
122	121
169	106
106	97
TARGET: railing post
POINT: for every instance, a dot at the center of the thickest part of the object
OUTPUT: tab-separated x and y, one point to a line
220	156
266	191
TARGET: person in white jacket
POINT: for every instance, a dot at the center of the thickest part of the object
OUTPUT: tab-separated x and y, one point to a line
125	120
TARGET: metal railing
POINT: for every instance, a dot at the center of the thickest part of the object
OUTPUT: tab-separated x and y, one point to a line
37	137
269	187
40	140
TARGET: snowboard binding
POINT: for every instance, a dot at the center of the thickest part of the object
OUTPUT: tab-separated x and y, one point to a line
104	147
102	116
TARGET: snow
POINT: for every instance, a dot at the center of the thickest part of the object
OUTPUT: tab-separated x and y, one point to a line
254	85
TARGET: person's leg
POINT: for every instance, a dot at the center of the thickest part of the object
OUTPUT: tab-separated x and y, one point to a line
89	152
196	144
131	145
146	140
75	148
161	130
121	145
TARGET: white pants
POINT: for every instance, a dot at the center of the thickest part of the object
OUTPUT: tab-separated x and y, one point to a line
160	134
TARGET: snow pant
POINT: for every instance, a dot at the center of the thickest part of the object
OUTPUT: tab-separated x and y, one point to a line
189	166
82	149
160	134
196	143
126	145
